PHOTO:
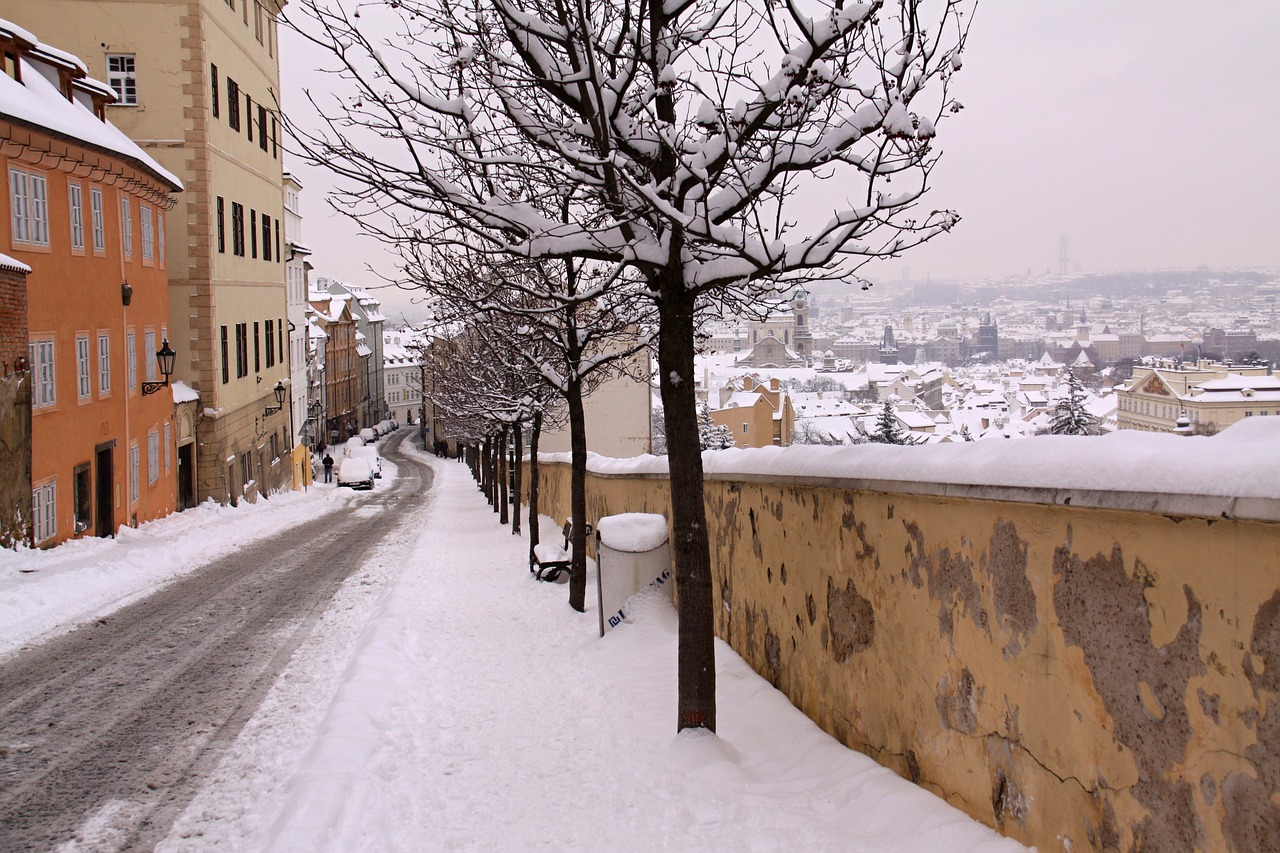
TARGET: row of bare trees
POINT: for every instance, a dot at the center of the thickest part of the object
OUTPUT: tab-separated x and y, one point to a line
639	164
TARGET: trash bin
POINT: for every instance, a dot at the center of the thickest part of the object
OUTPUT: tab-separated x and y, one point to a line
632	552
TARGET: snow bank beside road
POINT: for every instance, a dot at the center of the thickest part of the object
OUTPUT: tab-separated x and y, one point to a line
42	592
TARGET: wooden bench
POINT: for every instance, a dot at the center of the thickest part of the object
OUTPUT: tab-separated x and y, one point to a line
550	560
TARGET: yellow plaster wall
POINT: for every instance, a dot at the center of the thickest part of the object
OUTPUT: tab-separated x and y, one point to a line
1077	678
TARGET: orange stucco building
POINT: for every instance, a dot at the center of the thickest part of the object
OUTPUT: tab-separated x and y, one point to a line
84	209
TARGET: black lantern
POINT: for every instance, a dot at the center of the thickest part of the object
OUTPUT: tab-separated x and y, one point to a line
280	393
126	293
164	358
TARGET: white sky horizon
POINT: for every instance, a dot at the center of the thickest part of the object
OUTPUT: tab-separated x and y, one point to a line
1137	131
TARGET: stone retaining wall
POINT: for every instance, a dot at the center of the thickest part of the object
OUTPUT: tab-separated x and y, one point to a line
1080	671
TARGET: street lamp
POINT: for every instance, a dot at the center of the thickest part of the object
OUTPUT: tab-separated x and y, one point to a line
165	358
280	394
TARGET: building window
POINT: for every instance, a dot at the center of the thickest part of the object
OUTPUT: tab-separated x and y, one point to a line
168	439
266	237
275	149
271	350
262	127
246	470
257	22
122	76
104	364
29	203
44	506
160	233
278	252
213	77
131	361
99	225
253	233
242	350
248	116
84	385
233	104
148	233
279	339
222	226
82	488
237	229
126	226
257	349
135	464
45	392
148	353
226	366
75	198
153	457
745	427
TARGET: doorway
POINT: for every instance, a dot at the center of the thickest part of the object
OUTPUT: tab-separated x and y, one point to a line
103	490
186	476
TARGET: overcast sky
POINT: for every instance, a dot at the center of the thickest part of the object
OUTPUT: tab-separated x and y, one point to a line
1144	131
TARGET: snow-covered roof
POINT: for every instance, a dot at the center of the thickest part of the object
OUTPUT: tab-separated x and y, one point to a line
363	350
37	102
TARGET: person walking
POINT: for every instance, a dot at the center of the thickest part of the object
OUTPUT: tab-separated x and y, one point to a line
328	468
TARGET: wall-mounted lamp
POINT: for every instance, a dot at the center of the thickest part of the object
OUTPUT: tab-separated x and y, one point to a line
280	393
126	293
165	358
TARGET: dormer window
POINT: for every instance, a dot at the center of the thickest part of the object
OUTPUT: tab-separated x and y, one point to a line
12	67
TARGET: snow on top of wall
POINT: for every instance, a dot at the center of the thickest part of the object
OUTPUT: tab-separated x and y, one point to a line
8	263
1242	461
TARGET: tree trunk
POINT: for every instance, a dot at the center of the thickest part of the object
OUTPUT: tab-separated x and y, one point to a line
503	481
578	496
534	435
519	478
696	667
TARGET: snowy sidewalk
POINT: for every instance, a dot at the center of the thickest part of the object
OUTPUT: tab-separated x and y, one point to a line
455	704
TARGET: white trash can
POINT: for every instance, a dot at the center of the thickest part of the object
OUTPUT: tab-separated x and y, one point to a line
632	552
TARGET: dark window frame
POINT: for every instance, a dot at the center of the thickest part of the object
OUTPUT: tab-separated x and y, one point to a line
233	104
226	357
222	226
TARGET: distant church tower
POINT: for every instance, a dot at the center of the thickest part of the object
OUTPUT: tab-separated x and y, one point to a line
989	336
802	341
888	347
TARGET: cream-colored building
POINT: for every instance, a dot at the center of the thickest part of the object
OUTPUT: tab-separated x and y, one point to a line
617	416
1212	396
198	84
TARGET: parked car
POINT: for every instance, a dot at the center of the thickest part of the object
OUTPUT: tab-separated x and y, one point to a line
384	427
370	454
353	442
356	473
368	435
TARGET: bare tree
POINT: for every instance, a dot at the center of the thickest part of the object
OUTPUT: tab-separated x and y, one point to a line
685	147
567	342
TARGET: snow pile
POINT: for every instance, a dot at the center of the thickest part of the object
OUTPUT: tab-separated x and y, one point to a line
475	711
635	532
